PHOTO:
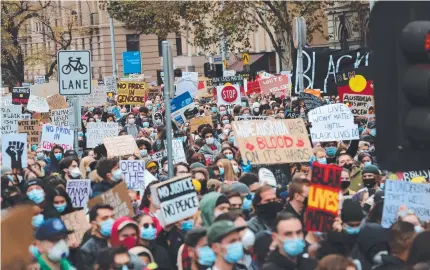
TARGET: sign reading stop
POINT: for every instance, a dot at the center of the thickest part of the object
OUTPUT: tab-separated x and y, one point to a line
229	93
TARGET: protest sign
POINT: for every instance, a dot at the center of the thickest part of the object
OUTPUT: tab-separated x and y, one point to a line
37	104
97	131
204	88
412	195
197	121
410	175
250	117
332	122
14	150
32	129
79	192
357	82
54	135
132	93
39	79
60	118
96	98
274	85
26	116
133	172
45	89
228	73
178	151
323	199
116	197
120	146
158	156
10	115
57	102
272	141
20	95
311	101
177	199
358	104
78	223
315	92
110	84
183	108
228	95
187	83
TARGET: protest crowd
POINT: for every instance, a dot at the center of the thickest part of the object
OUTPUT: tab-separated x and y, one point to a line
264	180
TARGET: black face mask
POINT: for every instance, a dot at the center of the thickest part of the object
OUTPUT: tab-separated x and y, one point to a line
269	210
345	184
369	182
347	166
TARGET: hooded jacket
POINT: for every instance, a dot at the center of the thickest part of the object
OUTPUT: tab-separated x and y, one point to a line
207	151
207	207
120	224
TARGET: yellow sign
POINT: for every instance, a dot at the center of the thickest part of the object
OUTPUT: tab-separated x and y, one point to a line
245	58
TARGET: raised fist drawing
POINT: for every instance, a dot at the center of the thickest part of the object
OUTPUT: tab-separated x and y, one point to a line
15	150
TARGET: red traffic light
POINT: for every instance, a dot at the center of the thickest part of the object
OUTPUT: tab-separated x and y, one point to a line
427	43
414	35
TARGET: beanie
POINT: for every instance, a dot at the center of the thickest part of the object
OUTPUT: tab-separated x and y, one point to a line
371	169
197	165
351	211
221	199
240	187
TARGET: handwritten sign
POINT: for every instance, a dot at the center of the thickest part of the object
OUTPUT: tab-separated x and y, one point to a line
134	173
39	79
219	81
10	115
57	102
415	196
78	223
79	192
177	151
120	145
54	135
60	117
187	83
37	104
358	104
332	122
158	156
177	199
132	93
96	98
20	95
273	141
250	117
323	199
44	89
14	150
110	84
275	84
32	129
97	131
116	197
204	88
311	101
198	121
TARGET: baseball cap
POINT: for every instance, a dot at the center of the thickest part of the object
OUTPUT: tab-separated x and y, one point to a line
220	229
34	182
52	228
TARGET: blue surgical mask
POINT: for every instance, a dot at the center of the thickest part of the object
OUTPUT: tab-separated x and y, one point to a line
150	107
158	106
187	225
367	163
106	227
246	205
34	251
149	233
34	147
234	252
373	132
36	195
352	230
11	178
60	207
294	247
322	160
117	175
40	156
37	220
229	156
145	124
382	186
236	169
231	139
244	104
418	229
331	151
213	109
225	121
223	112
143	152
221	171
207	256
58	156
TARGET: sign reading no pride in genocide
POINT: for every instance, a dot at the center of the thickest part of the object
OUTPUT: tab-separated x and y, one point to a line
54	135
273	141
177	199
132	93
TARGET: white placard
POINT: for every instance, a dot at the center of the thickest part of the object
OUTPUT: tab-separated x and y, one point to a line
10	115
177	151
14	150
39	79
187	84
96	98
97	131
228	73
37	104
79	192
110	84
53	135
61	117
133	172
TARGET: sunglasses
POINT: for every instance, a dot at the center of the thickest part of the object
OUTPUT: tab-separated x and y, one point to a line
146	225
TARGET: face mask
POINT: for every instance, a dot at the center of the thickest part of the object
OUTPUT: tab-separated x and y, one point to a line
294	247
369	183
223	112
58	156
229	156
158	121
60	207
34	251
225	121
367	163
347	166
231	139
345	184
248	239
221	171
11	178
153	135
257	110
245	114
418	229
234	252
129	242
331	151
246	205
117	175
145	124
40	156
269	210
131	121
210	141
75	173
158	106
37	220
244	104
106	227
187	225
98	120
213	109
36	195
352	230
217	213
207	256
236	169
149	233
59	251
150	107
373	132
382	186
322	160
143	152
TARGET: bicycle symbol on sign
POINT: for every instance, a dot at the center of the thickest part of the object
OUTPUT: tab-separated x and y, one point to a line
66	69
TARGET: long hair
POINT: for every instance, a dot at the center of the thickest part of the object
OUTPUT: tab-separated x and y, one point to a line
228	170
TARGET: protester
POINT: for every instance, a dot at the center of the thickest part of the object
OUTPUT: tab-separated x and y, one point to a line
266	206
109	171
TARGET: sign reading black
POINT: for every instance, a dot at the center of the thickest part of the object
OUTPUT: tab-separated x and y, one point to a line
175	189
20	95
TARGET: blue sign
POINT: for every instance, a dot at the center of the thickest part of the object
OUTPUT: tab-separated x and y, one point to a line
181	101
131	62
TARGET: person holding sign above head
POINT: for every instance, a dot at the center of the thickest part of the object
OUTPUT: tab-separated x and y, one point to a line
108	169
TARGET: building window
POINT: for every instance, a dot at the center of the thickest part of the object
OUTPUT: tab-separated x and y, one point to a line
133	44
178	44
83	43
99	48
160	47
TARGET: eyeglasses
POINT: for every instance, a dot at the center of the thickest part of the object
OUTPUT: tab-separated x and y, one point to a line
146	225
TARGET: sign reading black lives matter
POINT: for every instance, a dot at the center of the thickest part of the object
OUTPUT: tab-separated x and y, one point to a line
177	199
74	72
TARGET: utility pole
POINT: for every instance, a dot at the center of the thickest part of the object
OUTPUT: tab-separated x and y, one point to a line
168	93
112	45
299	38
223	52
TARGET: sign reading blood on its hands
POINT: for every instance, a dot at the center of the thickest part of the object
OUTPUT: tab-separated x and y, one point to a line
229	93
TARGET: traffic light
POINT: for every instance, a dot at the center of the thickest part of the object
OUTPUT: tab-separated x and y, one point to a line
209	70
400	63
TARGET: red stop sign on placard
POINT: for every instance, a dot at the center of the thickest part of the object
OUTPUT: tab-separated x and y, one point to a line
229	93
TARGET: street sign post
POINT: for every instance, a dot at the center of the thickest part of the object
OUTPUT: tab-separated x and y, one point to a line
74	72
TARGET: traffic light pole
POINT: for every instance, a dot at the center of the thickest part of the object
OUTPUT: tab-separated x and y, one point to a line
168	89
299	28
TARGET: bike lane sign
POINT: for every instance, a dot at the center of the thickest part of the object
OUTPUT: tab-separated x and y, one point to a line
74	72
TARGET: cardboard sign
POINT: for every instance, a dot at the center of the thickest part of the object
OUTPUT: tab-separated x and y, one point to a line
116	197
332	122
323	199
177	199
32	129
96	98
79	192
10	115
14	150
20	95
132	93
110	84
228	95
311	101
276	84
54	135
78	223
359	104
37	104
204	88
133	172
97	131
60	118
273	141
57	102
415	196
198	121
120	146
45	89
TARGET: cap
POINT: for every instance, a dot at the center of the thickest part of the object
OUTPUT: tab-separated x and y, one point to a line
34	182
52	228
240	187
193	236
371	169
219	229
197	165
